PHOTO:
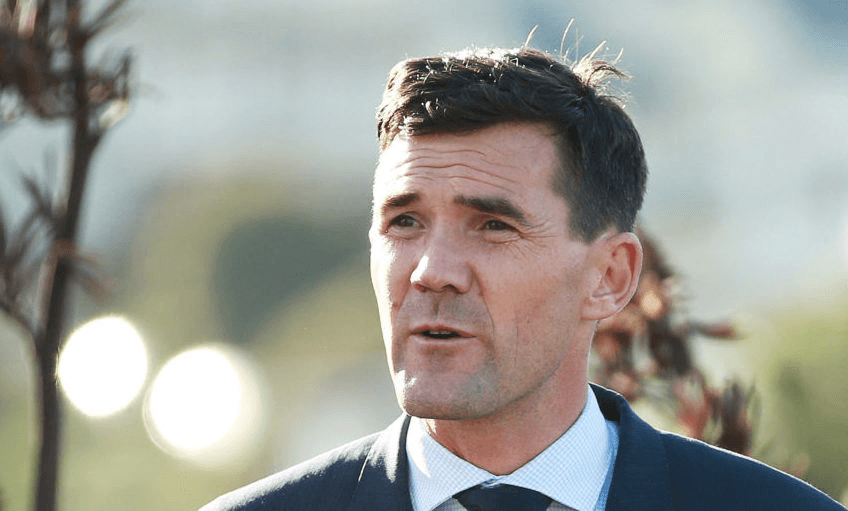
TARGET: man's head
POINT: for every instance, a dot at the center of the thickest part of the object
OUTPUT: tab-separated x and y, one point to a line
489	287
602	173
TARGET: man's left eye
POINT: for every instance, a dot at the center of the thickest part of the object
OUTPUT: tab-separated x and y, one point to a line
497	225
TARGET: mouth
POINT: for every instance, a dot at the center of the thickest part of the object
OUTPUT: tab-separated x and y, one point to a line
440	333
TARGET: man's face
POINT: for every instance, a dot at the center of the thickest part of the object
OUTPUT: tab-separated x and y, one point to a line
479	282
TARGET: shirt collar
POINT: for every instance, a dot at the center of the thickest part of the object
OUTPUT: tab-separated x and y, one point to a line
571	471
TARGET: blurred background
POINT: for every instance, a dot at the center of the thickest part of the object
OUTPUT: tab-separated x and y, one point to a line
229	212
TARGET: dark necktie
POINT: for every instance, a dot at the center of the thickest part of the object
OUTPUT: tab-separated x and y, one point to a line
502	497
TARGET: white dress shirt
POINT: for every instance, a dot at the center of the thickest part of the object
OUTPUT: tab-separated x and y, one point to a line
575	471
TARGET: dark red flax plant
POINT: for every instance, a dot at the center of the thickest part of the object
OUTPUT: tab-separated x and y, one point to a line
44	74
645	351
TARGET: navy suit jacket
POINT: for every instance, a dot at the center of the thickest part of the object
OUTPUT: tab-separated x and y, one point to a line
654	471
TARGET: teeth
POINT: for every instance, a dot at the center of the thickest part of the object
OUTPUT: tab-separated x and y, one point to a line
441	332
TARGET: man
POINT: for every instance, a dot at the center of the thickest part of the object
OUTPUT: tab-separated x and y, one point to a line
504	203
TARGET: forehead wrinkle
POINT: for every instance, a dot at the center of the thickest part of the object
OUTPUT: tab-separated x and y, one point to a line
438	155
419	174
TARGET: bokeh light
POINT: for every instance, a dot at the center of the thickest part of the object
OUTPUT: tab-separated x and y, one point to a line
102	366
204	405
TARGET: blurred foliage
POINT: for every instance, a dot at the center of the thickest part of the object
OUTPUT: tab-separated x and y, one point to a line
202	240
792	418
294	256
263	262
646	351
199	239
803	354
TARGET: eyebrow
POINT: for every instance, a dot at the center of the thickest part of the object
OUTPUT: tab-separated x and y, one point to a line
395	201
493	206
489	205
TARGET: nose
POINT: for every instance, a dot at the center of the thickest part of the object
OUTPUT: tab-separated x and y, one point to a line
442	267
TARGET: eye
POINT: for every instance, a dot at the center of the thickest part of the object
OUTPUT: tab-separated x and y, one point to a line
403	221
497	225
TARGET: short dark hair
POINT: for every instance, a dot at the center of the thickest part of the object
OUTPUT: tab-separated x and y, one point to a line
603	171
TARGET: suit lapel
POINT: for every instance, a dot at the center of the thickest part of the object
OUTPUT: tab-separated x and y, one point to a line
640	479
384	479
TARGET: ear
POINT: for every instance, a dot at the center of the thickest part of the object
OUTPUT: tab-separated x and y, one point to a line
619	263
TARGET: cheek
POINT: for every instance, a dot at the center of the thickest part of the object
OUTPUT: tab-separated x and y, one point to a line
536	306
379	280
387	278
377	275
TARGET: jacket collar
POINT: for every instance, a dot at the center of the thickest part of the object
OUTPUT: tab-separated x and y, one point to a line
384	479
640	478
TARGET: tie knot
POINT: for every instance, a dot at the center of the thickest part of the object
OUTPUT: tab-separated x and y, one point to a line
502	497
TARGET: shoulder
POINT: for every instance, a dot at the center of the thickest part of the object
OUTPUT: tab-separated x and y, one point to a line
660	470
701	473
323	482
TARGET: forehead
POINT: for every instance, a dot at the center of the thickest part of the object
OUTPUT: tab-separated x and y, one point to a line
504	159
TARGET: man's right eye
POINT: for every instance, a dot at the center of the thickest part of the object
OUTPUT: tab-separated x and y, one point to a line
403	221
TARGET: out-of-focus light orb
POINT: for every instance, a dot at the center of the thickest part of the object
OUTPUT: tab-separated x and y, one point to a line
102	366
204	405
195	398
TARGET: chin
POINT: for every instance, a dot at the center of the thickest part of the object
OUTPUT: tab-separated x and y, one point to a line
436	413
443	396
434	407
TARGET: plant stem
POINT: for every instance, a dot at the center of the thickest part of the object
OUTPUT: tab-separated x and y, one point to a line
49	343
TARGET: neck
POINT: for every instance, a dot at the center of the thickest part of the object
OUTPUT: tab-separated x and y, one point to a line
503	442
